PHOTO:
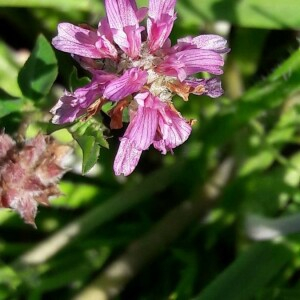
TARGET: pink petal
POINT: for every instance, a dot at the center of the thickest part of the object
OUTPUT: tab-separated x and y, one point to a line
133	5
127	158
120	13
6	143
211	42
130	82
26	206
157	8
104	29
83	42
160	22
146	99
210	87
73	105
159	31
188	62
33	151
141	13
174	130
66	109
14	195
141	129
125	26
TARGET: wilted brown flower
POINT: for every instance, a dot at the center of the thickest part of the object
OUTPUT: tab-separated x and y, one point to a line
29	173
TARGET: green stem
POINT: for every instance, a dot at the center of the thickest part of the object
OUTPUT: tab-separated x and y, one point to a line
141	252
102	213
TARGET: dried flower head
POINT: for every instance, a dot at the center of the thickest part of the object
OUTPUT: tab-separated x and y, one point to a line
141	72
29	172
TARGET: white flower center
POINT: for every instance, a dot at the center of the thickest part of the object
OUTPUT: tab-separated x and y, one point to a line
157	83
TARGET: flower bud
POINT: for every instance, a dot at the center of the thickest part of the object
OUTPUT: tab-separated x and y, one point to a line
29	173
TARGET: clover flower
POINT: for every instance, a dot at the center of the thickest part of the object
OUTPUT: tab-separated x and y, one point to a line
29	172
139	72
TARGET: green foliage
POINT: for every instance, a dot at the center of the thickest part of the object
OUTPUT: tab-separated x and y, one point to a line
247	13
67	4
39	72
76	82
249	273
9	280
9	70
9	104
89	136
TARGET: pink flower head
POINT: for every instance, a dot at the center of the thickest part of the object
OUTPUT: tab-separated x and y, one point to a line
140	71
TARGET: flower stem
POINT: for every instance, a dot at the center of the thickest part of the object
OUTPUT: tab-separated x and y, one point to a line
144	250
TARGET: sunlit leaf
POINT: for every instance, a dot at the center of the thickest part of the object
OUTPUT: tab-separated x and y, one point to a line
8	277
75	195
9	68
90	138
247	13
9	104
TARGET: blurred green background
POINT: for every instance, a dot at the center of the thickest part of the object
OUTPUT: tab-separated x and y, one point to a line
219	219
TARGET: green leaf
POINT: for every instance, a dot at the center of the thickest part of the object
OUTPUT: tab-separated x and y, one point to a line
286	127
8	277
91	151
259	161
39	72
247	13
89	136
264	96
9	61
50	128
82	4
75	195
249	273
9	104
76	82
287	69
